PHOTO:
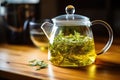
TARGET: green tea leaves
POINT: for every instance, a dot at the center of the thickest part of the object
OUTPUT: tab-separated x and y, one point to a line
39	64
69	49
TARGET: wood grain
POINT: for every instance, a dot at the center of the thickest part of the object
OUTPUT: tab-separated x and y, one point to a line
14	65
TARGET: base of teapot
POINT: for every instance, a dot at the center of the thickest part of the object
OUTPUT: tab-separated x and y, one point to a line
73	64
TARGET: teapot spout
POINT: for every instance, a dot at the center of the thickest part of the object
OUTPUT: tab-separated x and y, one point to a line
47	28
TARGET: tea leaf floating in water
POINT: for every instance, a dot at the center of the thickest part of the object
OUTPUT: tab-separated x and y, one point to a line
38	63
72	50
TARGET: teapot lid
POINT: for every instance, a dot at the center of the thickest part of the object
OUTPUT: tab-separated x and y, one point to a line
71	19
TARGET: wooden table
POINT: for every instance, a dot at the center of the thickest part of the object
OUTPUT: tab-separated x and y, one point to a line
14	65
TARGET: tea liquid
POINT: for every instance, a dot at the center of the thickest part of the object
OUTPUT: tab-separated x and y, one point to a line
73	50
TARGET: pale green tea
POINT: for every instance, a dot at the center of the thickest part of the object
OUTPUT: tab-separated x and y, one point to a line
73	50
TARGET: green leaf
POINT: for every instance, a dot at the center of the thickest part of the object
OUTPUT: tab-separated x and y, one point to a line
40	64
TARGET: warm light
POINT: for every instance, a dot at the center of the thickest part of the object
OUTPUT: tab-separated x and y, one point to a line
92	71
4	60
23	1
50	72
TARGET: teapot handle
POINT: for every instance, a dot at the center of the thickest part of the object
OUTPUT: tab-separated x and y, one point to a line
110	32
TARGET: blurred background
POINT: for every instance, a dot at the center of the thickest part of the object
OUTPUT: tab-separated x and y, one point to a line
16	14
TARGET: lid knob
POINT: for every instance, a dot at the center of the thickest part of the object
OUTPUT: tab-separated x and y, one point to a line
70	9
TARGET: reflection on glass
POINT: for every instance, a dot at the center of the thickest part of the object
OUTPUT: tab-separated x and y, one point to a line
92	71
50	72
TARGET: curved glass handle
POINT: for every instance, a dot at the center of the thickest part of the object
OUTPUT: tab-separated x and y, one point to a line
110	32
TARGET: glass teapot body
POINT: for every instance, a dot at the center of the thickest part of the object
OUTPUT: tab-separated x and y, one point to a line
71	42
71	45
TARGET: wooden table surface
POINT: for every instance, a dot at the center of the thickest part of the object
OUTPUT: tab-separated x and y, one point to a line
14	65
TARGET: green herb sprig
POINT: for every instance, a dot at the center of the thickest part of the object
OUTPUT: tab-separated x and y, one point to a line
40	64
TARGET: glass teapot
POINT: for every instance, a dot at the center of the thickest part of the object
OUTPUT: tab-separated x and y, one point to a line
71	42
